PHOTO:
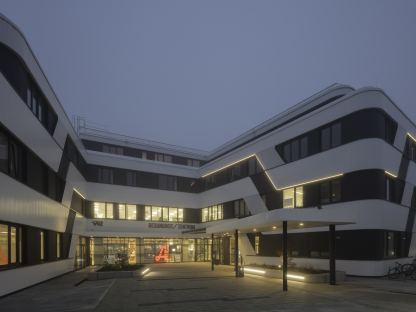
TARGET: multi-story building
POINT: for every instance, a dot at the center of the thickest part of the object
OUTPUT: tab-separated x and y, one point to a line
71	197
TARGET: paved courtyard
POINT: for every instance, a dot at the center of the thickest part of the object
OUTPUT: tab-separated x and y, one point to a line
194	287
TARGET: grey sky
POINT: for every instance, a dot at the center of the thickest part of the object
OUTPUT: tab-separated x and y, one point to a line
198	73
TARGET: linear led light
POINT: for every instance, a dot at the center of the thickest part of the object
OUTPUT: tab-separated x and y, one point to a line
229	165
411	136
145	271
254	271
297	277
240	160
79	193
390	174
270	179
312	181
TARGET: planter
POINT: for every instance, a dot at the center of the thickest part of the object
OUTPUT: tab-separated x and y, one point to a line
93	276
293	275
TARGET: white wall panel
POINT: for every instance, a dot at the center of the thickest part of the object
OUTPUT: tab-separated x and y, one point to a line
17	117
358	155
21	204
126	162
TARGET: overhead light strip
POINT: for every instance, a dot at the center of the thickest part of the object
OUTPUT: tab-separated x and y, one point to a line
312	181
240	160
229	165
411	136
390	174
79	193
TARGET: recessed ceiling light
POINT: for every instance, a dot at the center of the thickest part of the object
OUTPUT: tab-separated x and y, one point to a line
254	230
301	224
274	227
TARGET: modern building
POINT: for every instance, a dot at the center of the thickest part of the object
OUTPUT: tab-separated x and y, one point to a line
77	196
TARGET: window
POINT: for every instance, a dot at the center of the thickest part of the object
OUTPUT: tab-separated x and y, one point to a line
325	138
293	197
163	157
295	150
121	211
336	134
257	244
4	152
148	213
304	147
204	214
165	213
180	214
105	175
131	178
288	198
4	244
42	245
240	209
99	210
113	149
109	211
212	213
253	166
58	245
157	214
167	182
193	163
330	192
13	244
131	212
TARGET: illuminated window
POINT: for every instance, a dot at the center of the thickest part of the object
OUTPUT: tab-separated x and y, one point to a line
121	211
58	245
212	213
99	210
4	244
157	214
180	214
109	211
257	244
13	243
205	215
289	198
299	196
42	245
131	212
293	197
148	213
165	212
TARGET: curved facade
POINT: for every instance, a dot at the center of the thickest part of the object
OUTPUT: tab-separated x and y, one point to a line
71	198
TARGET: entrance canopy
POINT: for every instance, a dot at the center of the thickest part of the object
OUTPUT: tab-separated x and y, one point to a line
297	218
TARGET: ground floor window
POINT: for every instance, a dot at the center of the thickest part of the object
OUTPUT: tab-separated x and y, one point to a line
10	245
111	250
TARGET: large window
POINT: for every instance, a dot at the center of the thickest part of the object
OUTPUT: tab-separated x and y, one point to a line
330	192
331	136
131	212
293	197
121	211
240	209
212	213
105	175
99	210
168	214
109	210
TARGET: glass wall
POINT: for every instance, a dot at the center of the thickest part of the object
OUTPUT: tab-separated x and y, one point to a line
105	250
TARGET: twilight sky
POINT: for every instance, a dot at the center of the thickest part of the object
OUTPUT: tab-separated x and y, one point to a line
198	73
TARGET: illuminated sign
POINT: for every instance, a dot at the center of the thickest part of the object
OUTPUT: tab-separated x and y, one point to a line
173	226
